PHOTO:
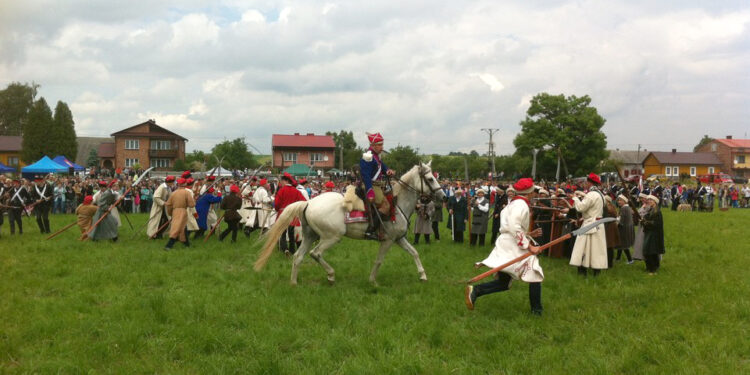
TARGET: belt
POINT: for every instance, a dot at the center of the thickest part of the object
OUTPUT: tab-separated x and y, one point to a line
377	183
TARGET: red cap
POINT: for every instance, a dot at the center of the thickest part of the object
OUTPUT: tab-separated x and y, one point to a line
211	178
180	181
88	199
189	180
102	183
114	180
524	185
330	185
234	189
263	181
375	138
289	178
169	179
593	177
303	181
210	190
185	174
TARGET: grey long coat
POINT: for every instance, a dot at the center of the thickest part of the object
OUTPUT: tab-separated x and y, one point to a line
479	218
423	224
107	228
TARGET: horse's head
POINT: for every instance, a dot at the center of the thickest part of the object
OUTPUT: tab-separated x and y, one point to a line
428	184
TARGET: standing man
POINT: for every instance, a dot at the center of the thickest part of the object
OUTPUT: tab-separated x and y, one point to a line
425	208
212	218
42	194
459	212
158	216
287	195
626	228
512	243
203	208
18	198
590	249
653	229
480	215
437	216
501	200
107	228
231	204
177	207
373	177
264	204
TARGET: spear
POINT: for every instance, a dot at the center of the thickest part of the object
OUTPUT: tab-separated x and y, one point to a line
576	232
161	228
211	232
86	235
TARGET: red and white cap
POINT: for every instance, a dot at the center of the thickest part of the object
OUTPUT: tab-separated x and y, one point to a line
375	139
593	177
524	186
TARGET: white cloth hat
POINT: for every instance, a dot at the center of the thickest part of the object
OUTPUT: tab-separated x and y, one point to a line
653	198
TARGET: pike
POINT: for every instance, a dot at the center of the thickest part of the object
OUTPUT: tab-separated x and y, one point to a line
161	228
556	241
211	232
86	235
53	235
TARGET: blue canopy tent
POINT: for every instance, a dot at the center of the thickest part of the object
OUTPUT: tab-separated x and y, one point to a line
43	166
6	169
62	160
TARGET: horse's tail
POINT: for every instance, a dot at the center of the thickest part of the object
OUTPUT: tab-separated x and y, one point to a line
277	230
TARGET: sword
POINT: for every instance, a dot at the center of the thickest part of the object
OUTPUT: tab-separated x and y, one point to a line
577	232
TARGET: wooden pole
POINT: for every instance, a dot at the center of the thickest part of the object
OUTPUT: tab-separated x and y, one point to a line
518	259
53	235
211	232
161	228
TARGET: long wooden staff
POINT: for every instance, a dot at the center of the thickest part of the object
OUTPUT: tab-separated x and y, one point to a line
543	247
161	228
468	212
53	235
211	232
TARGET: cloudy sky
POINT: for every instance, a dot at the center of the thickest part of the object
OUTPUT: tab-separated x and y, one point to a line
429	73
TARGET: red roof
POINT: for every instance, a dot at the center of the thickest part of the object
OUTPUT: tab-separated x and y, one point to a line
106	150
10	143
735	143
151	130
308	140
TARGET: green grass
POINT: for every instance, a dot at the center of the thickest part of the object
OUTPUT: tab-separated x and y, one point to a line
129	307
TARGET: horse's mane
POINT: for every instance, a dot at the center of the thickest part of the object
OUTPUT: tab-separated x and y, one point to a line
407	177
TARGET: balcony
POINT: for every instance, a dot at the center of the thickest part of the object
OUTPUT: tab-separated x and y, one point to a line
162	153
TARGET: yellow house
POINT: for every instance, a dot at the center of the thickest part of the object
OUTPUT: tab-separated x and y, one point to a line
10	151
675	164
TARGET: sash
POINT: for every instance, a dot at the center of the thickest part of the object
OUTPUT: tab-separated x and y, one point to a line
17	196
41	193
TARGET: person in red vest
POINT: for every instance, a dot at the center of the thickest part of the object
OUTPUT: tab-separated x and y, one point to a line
287	195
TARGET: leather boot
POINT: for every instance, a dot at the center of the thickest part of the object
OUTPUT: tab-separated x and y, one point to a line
371	233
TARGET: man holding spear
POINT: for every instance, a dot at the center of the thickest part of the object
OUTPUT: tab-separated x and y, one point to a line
158	218
107	229
512	243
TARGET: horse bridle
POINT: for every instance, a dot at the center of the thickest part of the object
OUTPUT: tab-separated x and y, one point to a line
422	181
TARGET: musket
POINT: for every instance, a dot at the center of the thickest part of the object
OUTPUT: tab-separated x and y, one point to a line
113	205
211	232
556	241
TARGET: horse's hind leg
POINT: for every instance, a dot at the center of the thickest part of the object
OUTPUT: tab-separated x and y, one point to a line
317	254
308	238
404	243
384	246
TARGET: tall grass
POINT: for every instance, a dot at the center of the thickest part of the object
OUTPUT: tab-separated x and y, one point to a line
129	307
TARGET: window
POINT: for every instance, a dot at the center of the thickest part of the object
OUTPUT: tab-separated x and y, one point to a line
132	144
160	163
710	170
692	171
131	162
290	157
12	161
316	157
161	145
713	147
676	171
668	171
740	159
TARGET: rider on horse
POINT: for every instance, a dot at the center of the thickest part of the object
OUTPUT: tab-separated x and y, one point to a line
373	171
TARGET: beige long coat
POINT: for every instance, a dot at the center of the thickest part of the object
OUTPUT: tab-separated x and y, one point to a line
590	249
84	215
160	198
177	206
192	222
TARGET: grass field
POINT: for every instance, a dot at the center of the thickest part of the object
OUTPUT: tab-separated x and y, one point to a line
129	308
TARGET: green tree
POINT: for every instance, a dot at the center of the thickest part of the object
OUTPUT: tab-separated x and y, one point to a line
93	159
705	140
401	159
235	154
15	103
570	127
64	132
36	142
351	152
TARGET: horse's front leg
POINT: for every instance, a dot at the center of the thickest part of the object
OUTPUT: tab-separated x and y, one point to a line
384	246
404	243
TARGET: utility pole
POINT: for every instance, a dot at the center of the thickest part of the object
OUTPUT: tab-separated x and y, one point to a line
533	167
491	152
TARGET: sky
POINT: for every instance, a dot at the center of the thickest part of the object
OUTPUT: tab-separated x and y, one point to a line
429	74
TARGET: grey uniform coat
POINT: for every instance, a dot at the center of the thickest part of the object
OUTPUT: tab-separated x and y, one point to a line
480	216
423	224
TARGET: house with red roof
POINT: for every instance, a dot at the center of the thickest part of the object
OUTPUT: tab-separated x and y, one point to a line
146	144
316	151
733	153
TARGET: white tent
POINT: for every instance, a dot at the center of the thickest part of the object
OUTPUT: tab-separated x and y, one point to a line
218	172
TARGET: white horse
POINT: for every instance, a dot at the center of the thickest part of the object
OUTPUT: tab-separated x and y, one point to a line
323	219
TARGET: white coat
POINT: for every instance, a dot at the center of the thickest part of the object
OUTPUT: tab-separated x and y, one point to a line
590	249
512	243
192	223
266	214
160	197
248	214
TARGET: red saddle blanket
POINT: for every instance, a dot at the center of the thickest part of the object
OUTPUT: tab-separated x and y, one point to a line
355	217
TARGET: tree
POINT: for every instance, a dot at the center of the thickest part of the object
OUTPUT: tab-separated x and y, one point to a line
65	142
35	142
705	140
401	159
351	153
15	103
569	127
235	153
93	159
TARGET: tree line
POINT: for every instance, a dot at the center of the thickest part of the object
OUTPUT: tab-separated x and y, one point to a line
43	132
